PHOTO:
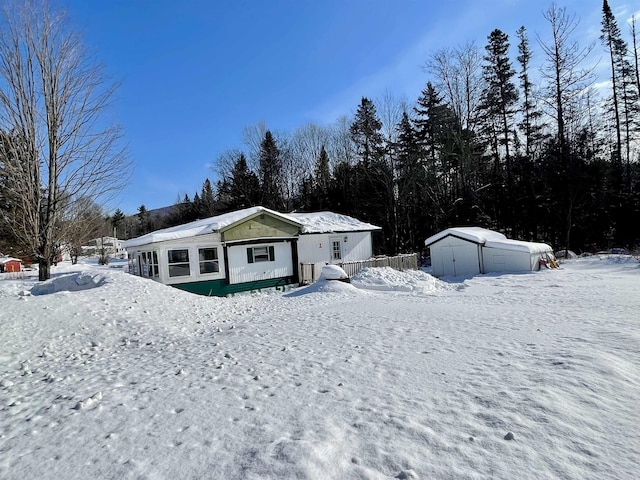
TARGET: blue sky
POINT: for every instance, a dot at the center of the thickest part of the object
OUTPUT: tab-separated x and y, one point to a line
193	73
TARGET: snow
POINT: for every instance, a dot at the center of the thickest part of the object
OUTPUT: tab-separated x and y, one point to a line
329	222
395	375
473	234
4	260
199	227
333	272
320	222
489	239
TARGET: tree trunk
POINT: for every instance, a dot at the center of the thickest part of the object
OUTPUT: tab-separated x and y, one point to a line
44	270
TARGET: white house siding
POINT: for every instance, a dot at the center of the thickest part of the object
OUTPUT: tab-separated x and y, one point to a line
316	249
454	256
241	271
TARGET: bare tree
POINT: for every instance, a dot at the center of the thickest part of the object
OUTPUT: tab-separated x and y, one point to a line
252	137
59	149
566	78
341	147
458	75
390	109
82	222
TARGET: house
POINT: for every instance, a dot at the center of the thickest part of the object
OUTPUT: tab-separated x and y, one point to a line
245	250
9	264
109	245
465	251
331	238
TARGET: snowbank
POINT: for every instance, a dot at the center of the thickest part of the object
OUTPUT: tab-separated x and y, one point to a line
403	376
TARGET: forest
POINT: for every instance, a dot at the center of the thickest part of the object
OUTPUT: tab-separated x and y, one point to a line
520	135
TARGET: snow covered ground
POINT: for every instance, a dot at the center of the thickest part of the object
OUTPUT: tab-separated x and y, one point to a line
396	375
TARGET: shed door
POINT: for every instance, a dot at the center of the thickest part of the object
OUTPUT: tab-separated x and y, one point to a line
460	260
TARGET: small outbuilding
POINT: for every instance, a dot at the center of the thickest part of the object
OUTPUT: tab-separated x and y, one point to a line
466	251
9	264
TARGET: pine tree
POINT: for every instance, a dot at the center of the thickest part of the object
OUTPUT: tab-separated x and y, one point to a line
322	176
413	204
624	93
117	220
144	220
500	93
270	173
207	200
366	132
244	186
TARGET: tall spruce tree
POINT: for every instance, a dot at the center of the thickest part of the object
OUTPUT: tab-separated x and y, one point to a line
500	94
412	205
270	173
207	200
322	177
366	132
244	185
624	92
375	180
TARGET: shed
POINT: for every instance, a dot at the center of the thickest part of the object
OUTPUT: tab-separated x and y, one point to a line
465	251
245	250
331	238
9	264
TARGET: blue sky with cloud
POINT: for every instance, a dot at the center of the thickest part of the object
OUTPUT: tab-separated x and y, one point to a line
195	72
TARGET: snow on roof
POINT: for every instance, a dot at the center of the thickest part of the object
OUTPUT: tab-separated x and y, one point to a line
489	239
4	260
200	227
328	222
473	234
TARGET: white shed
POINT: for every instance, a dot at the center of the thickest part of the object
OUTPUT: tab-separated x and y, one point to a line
465	251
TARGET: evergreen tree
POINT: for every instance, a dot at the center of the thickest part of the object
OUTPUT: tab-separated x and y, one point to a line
322	180
413	204
270	173
366	132
144	220
117	221
500	94
243	186
207	200
624	93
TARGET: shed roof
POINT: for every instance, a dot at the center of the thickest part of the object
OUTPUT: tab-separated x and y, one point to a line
329	222
489	239
203	227
5	260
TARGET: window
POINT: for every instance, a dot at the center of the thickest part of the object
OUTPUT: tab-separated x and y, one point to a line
151	262
261	254
179	263
208	258
336	249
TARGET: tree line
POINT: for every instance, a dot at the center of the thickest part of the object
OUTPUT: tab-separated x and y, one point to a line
502	136
537	153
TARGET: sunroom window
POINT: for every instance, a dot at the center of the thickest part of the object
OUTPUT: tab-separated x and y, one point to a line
208	258
178	263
